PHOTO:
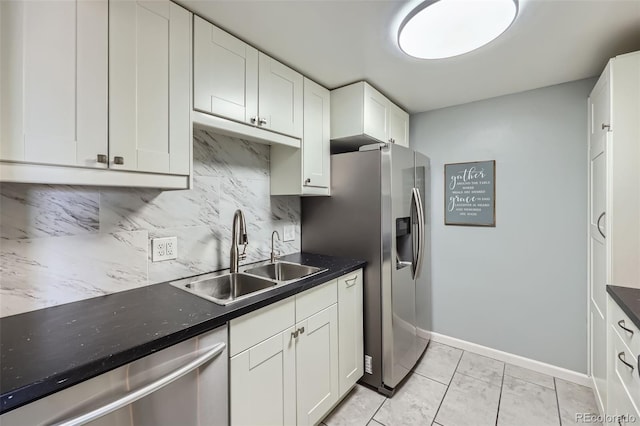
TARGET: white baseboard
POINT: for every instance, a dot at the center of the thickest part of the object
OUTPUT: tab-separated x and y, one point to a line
520	361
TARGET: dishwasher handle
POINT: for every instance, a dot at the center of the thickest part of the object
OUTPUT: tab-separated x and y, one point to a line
134	395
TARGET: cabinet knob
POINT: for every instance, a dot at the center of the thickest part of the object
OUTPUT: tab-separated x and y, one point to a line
102	159
301	330
295	334
262	121
253	120
307	181
118	160
606	126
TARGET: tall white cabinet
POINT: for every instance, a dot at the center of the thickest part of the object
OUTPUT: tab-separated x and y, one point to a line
614	200
306	171
53	79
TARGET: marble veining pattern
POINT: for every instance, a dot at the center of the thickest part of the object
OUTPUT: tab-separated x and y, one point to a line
36	211
38	273
511	396
61	244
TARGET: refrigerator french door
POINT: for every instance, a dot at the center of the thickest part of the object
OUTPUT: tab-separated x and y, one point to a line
377	212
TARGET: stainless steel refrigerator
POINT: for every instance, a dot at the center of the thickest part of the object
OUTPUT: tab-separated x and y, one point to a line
378	211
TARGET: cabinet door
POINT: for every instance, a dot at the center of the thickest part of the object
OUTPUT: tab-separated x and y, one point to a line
280	97
225	72
315	143
350	330
398	126
53	81
263	384
317	365
599	107
149	76
376	114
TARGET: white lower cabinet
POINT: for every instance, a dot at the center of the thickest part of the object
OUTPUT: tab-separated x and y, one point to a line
350	320
264	383
288	360
623	363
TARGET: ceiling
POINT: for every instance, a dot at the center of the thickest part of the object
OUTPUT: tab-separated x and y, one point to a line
336	42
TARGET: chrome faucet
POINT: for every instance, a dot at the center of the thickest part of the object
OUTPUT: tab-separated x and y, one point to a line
274	256
238	236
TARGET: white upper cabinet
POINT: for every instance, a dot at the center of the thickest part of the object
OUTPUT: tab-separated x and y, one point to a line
315	143
306	171
225	71
149	81
235	81
398	126
53	79
280	97
360	114
376	114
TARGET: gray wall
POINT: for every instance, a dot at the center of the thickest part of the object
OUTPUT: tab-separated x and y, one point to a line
520	287
60	244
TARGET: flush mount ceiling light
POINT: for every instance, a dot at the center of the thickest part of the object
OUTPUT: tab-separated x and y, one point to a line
439	29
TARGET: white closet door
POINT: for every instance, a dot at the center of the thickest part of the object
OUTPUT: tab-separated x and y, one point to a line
599	106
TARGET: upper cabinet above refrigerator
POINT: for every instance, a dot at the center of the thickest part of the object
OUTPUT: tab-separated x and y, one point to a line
360	115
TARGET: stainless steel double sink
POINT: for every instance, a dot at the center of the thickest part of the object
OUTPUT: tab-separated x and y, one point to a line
225	288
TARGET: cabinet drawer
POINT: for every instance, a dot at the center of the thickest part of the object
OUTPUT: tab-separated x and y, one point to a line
253	328
316	299
619	319
627	374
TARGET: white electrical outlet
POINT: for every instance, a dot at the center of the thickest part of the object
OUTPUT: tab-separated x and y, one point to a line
289	233
164	249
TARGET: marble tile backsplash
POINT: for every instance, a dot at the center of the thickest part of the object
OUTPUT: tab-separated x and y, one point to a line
60	244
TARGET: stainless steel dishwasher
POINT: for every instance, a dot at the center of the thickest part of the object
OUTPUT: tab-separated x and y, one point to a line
185	384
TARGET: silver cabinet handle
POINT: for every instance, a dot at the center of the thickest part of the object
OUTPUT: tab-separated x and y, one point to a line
621	324
606	126
253	120
598	224
118	160
307	181
294	334
622	360
351	282
137	394
101	158
262	121
301	330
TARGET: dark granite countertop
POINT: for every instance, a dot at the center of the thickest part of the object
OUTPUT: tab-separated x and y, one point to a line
45	351
629	301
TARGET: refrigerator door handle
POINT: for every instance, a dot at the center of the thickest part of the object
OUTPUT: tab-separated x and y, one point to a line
419	255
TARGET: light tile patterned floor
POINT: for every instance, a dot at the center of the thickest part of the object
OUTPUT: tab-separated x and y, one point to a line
452	387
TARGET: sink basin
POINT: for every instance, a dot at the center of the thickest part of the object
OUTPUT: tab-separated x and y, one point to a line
228	288
284	271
